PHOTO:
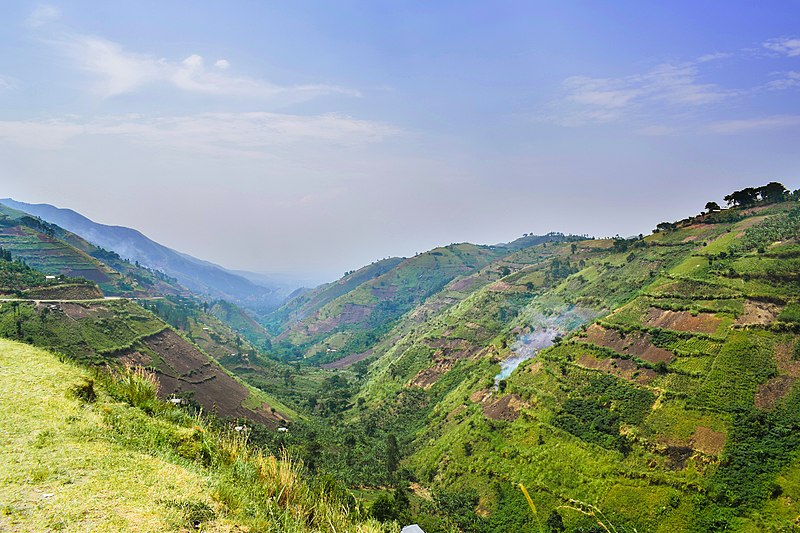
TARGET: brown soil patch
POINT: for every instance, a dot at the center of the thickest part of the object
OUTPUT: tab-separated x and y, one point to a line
453	348
17	231
499	286
429	376
384	293
749	222
623	368
708	441
480	396
65	292
351	359
678	456
773	390
350	314
505	408
448	353
137	358
682	320
92	274
758	313
187	369
78	311
465	284
534	368
635	343
787	365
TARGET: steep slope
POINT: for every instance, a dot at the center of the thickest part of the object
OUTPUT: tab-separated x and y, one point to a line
682	395
201	277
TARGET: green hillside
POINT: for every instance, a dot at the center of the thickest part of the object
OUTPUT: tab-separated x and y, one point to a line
348	317
629	384
55	251
674	410
122	332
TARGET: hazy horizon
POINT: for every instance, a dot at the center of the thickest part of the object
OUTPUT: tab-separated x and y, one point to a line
314	139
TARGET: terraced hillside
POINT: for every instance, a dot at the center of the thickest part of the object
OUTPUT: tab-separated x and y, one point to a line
120	331
55	251
201	277
667	399
18	280
346	318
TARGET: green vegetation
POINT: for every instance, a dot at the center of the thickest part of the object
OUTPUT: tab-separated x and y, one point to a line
160	470
660	394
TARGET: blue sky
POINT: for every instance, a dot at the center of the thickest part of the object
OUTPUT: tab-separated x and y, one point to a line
314	137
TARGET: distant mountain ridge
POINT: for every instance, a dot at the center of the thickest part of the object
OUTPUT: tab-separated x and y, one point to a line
199	276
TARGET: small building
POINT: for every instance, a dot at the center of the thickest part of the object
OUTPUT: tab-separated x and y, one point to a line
413	528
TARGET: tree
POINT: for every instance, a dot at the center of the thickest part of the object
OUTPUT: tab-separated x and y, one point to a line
744	198
773	192
392	454
712	206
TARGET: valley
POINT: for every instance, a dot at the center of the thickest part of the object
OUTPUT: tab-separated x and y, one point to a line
646	383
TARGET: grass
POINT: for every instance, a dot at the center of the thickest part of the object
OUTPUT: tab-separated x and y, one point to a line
59	470
69	464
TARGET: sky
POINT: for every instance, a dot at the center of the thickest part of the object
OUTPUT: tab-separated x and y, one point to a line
316	137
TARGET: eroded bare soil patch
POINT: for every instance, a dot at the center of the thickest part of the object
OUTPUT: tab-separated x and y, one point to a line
623	368
682	320
635	343
773	390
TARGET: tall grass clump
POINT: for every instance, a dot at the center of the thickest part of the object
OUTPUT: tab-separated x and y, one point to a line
136	386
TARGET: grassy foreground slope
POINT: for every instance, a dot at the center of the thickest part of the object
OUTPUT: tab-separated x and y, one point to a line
76	460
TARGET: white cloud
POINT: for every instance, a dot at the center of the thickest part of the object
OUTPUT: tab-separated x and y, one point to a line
789	46
117	71
713	57
255	134
786	80
43	14
588	99
751	124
